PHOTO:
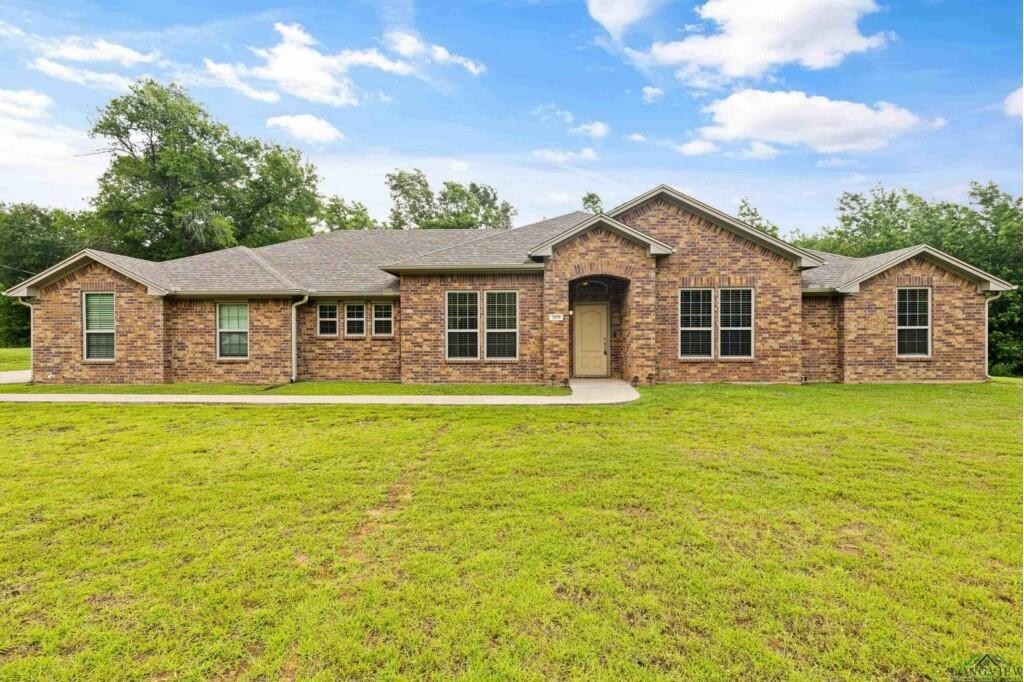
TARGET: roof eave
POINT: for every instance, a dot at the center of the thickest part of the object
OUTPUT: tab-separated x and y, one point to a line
459	267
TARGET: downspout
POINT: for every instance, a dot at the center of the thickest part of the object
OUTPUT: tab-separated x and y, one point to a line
295	340
987	308
31	334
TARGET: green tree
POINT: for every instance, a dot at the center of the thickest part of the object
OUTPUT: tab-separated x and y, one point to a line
338	214
751	216
181	183
456	206
985	232
32	239
592	203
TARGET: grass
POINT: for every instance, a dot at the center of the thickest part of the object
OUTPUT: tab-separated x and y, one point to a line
14	359
703	532
300	388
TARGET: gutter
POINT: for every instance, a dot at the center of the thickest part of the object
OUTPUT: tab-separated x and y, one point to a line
987	308
295	333
31	334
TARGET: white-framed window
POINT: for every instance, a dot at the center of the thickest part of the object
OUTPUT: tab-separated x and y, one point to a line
327	319
233	330
383	319
696	311
501	331
913	322
98	325
355	319
735	323
462	325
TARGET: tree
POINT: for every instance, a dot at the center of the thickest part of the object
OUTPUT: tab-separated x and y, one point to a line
986	232
32	239
751	216
592	203
181	183
456	206
338	214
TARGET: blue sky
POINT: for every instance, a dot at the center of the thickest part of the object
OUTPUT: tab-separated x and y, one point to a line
786	103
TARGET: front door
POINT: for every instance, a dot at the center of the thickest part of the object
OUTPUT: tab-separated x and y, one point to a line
590	340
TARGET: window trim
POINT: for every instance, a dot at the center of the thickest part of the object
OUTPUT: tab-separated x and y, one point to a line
514	292
927	328
680	329
86	332
319	319
752	327
361	304
232	358
448	330
374	318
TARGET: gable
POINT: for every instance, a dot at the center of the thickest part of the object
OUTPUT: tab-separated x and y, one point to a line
655	247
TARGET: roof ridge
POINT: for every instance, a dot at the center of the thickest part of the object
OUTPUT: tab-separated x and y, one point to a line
277	274
492	233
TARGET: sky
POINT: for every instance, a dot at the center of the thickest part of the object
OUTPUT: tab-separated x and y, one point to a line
787	103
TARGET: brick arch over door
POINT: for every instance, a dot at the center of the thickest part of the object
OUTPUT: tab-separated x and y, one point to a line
590	254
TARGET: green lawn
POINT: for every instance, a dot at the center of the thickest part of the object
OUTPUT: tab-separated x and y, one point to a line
14	358
300	388
703	532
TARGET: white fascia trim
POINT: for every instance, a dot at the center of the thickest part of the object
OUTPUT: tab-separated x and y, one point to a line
30	287
465	267
804	259
657	248
986	282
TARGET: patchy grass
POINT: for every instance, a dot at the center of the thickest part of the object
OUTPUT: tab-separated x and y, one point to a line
716	532
300	388
14	359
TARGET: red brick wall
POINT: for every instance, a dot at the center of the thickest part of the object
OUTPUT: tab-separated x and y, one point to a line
57	352
192	343
423	330
821	338
709	256
600	252
868	340
342	358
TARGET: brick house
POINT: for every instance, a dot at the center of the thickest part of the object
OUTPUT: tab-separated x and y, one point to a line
662	288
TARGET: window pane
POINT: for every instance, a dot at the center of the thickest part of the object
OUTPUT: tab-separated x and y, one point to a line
912	341
233	316
501	344
355	319
501	310
735	307
912	308
328	327
695	344
328	311
695	308
735	343
355	311
381	310
382	327
462	344
99	312
382	318
234	344
463	310
355	327
99	346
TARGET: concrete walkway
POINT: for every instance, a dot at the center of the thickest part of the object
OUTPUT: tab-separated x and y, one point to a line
584	392
20	376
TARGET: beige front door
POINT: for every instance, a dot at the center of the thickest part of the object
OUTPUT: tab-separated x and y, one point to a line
590	340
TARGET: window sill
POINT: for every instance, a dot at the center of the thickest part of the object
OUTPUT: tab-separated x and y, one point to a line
354	338
914	358
462	361
383	338
695	359
501	361
94	361
721	359
326	336
230	360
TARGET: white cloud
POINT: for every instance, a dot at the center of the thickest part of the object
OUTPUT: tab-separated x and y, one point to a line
759	151
796	118
753	37
696	148
77	49
618	15
832	162
595	129
228	76
636	137
548	112
1013	105
24	104
409	45
565	156
652	94
937	123
307	128
295	66
86	77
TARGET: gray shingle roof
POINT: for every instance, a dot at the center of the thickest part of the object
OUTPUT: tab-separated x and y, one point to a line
839	270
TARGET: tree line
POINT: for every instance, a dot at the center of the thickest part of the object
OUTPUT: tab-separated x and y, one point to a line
181	183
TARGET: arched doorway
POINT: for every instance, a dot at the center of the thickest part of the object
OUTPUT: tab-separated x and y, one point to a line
596	334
